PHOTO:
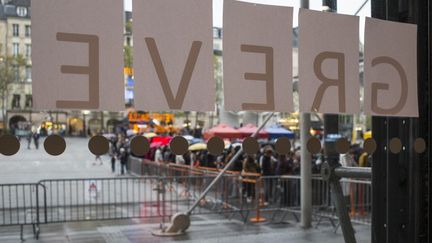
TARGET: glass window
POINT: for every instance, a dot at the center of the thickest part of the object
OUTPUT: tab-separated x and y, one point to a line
15	29
16	101
27	30
28	51
28	101
29	74
15	50
22	11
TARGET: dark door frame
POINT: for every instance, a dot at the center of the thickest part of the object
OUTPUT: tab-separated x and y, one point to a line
401	186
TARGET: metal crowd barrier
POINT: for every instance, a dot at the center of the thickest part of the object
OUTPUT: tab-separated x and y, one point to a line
19	206
166	189
100	199
280	195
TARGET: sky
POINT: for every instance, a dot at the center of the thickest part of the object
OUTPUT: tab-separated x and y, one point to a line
344	7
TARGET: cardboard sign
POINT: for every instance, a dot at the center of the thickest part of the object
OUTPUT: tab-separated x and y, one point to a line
328	62
77	54
390	68
257	58
173	55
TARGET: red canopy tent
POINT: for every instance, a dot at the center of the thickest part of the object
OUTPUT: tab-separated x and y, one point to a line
158	141
223	131
249	129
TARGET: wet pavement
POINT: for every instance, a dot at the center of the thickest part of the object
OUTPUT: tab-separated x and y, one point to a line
203	229
31	165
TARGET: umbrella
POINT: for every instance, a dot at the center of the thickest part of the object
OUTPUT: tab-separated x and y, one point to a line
150	134
109	135
196	140
223	131
198	146
162	140
248	129
156	145
188	137
277	132
130	132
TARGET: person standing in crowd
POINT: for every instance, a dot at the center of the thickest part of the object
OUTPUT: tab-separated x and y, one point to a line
158	155
211	160
193	159
249	166
238	163
187	159
29	139
124	155
113	161
36	139
179	160
167	155
98	158
267	164
284	166
113	153
348	189
237	166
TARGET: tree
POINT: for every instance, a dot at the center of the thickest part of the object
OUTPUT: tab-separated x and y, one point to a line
8	75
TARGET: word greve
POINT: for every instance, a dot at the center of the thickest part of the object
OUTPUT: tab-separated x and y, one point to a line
77	58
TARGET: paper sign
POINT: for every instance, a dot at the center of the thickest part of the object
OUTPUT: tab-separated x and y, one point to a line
77	54
257	57
173	55
390	68
328	62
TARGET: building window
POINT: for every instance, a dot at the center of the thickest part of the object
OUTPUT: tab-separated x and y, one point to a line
15	50
16	100
128	41
15	29
28	101
216	33
22	11
28	51
29	74
27	30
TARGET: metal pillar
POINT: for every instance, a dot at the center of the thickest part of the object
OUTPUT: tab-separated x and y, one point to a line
306	166
401	186
306	173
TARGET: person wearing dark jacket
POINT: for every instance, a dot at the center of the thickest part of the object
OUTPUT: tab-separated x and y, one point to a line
267	164
124	155
249	166
284	166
